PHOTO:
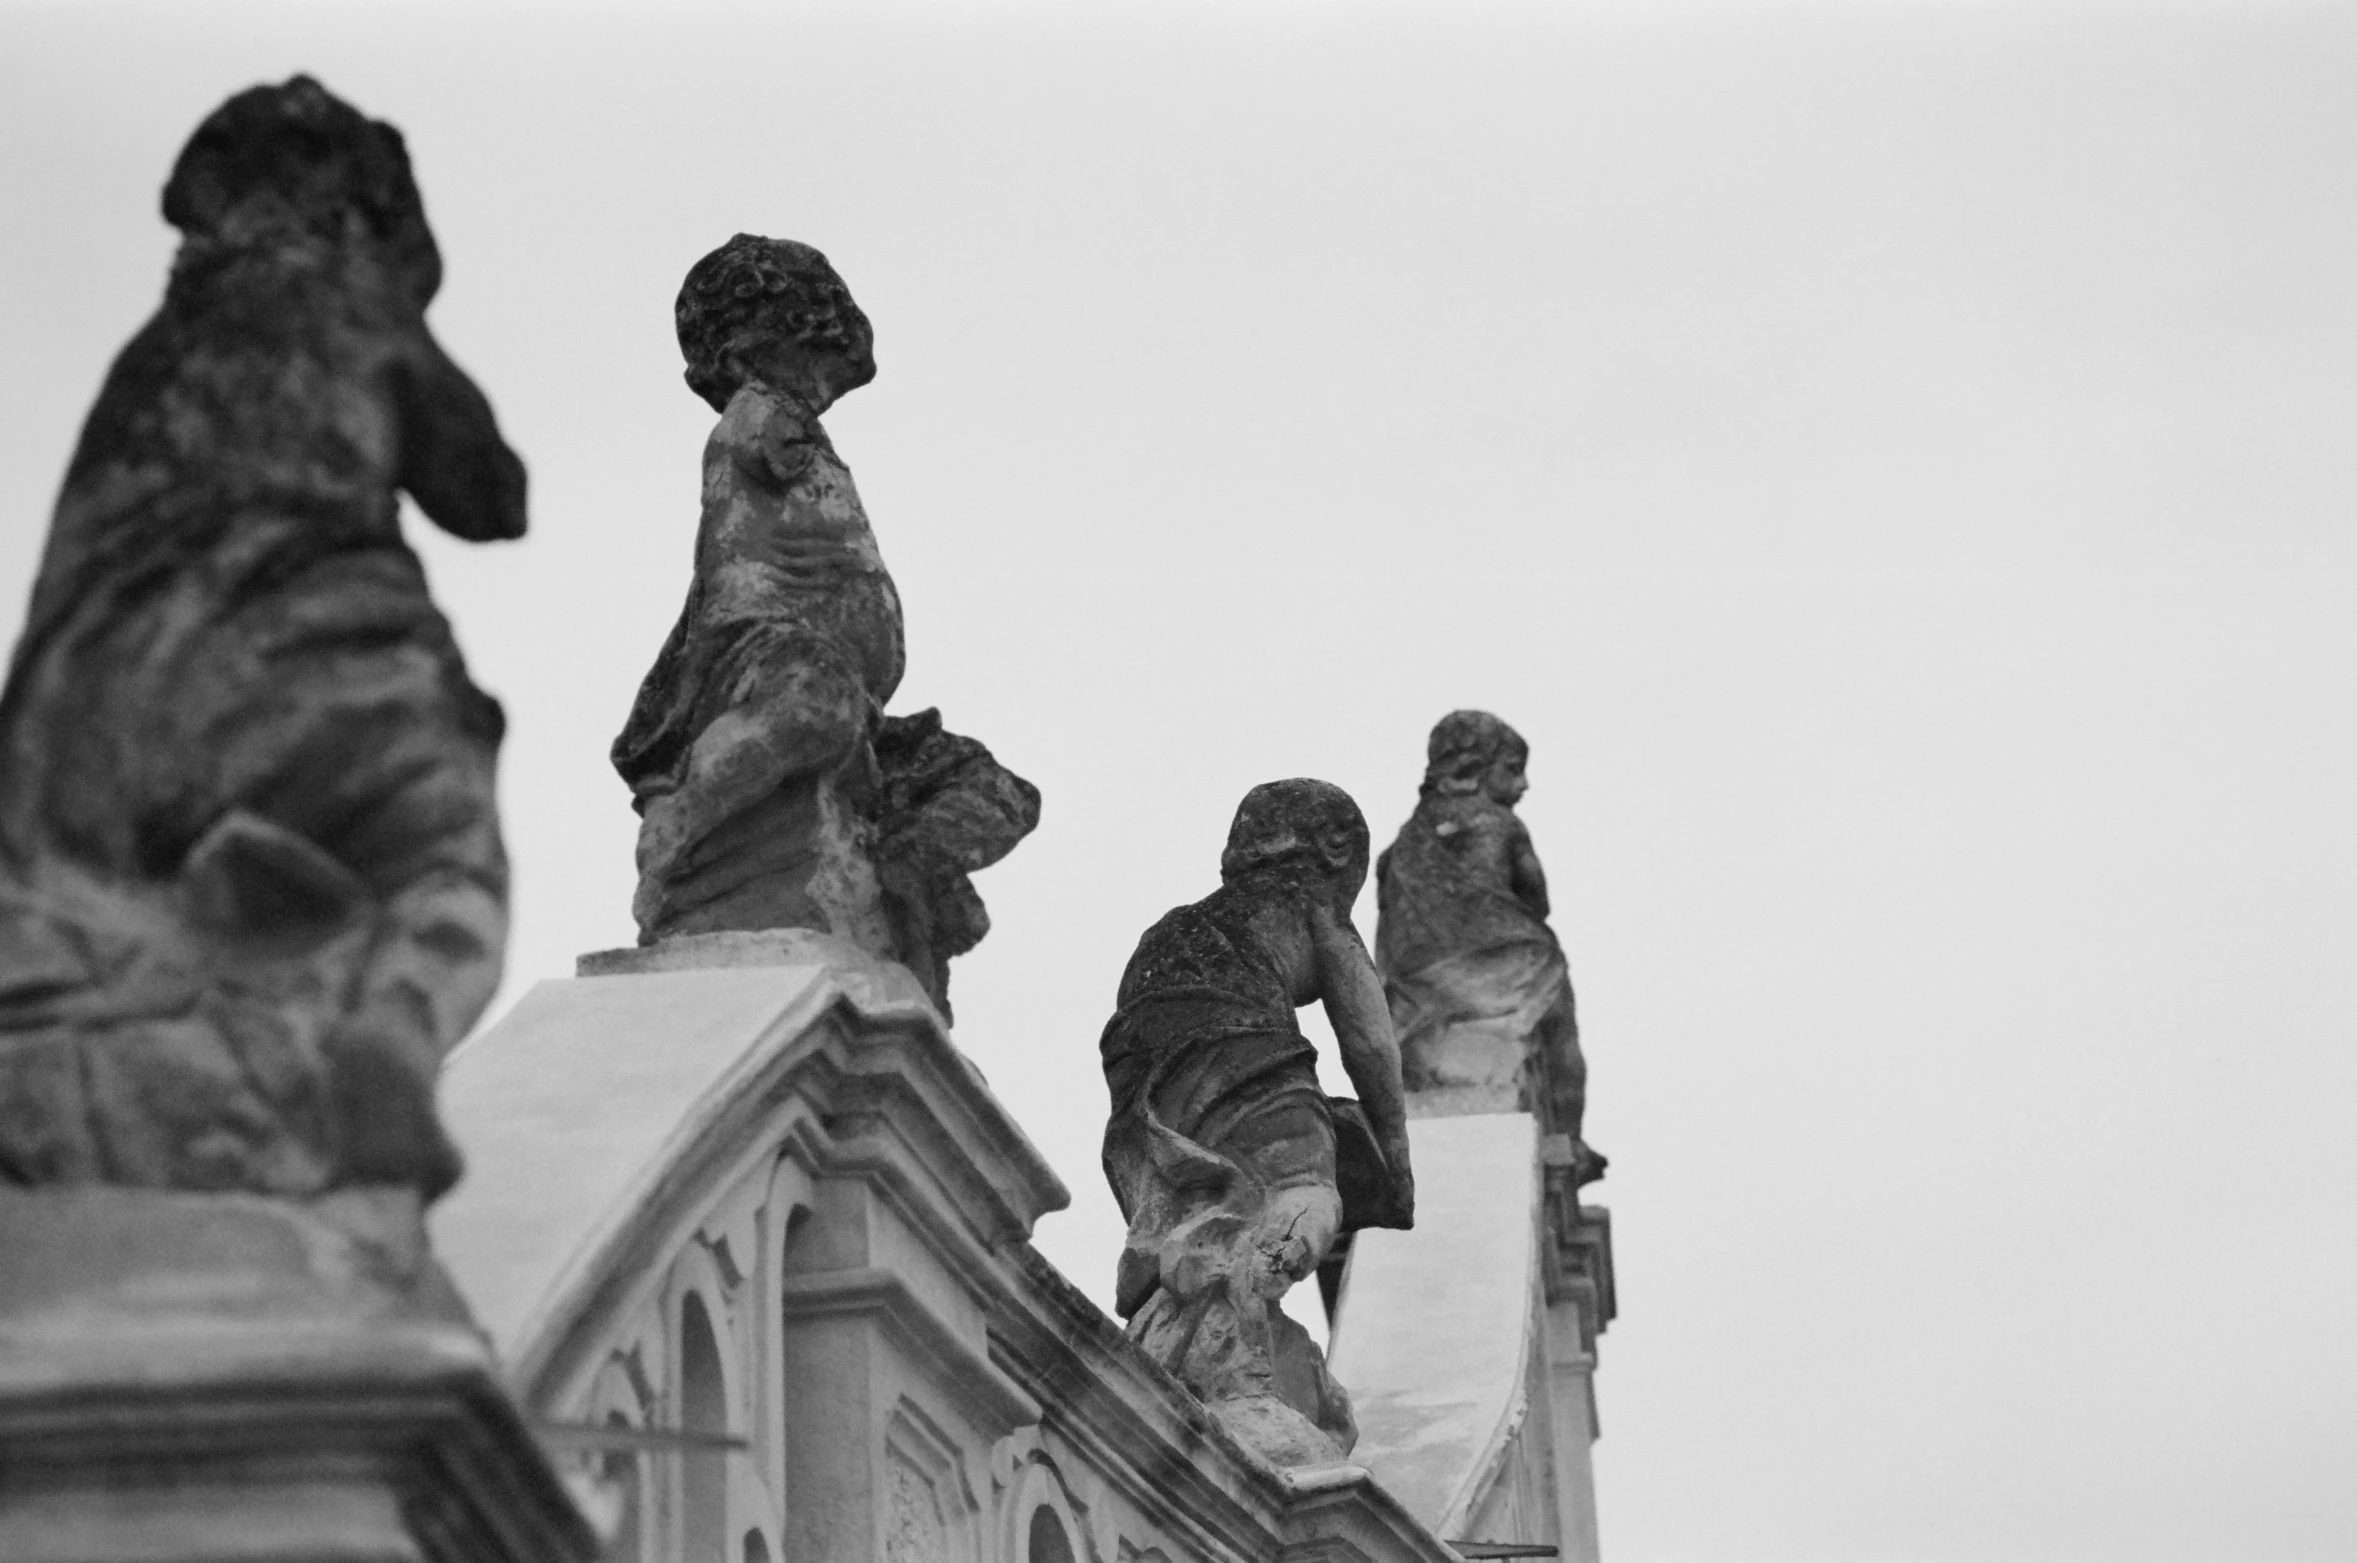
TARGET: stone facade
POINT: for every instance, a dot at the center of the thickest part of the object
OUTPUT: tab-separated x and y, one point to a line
756	1238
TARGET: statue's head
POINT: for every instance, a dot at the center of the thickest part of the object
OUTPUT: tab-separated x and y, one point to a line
1302	827
296	161
774	311
1472	751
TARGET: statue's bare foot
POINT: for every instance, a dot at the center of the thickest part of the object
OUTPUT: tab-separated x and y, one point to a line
1275	1431
1588	1164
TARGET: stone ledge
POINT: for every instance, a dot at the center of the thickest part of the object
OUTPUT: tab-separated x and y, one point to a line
867	1123
737	949
323	1443
1432	1328
998	1401
599	1104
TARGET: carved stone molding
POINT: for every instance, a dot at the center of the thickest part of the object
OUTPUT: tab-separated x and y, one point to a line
226	1377
798	1147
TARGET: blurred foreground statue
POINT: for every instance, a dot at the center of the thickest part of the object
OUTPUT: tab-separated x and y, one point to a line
251	889
1235	1171
251	883
1479	990
773	791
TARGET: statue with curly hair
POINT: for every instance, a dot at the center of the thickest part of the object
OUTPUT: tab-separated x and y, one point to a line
1479	990
1235	1172
772	790
251	881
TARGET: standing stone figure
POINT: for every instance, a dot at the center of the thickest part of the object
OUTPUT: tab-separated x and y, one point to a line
1479	990
773	792
1235	1171
251	883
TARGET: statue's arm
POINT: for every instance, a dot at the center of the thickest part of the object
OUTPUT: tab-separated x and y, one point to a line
1353	996
778	451
1529	880
453	462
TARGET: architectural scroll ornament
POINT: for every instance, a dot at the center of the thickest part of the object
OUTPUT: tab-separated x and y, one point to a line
773	791
1235	1171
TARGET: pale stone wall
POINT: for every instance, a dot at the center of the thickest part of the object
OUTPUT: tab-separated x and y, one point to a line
240	1379
1469	1342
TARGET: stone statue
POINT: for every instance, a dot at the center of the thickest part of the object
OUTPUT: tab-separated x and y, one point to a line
772	791
251	882
1479	990
1235	1171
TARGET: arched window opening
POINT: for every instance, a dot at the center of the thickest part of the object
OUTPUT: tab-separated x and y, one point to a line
703	1408
756	1550
621	1470
1048	1544
795	1250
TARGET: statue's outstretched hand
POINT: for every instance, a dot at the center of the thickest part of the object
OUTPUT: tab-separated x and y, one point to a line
1403	1181
1295	1232
782	451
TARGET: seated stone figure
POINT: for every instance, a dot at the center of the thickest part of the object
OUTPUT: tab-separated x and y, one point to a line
1479	990
757	754
251	881
1235	1171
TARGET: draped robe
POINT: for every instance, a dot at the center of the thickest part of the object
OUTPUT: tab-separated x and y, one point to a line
1479	990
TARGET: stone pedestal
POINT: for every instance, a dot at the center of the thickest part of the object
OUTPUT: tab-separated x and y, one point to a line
228	1379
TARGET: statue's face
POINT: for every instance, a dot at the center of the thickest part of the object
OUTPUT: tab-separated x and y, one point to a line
1348	882
859	363
1504	782
821	373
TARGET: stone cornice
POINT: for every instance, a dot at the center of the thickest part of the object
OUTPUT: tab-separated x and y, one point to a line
994	1399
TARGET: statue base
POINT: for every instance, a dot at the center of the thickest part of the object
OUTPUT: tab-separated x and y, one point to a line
222	1378
728	949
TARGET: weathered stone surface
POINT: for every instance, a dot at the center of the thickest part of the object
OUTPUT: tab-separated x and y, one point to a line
1479	991
251	882
251	888
775	1204
772	790
240	1378
732	950
1235	1171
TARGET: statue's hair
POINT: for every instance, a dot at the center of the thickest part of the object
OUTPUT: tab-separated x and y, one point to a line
751	290
1464	744
315	160
1298	824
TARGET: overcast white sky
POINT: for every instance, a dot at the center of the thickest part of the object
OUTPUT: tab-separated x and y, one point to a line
1895	463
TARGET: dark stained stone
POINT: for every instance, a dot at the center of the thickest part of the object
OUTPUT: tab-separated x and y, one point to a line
772	790
1235	1171
251	882
945	810
1479	990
